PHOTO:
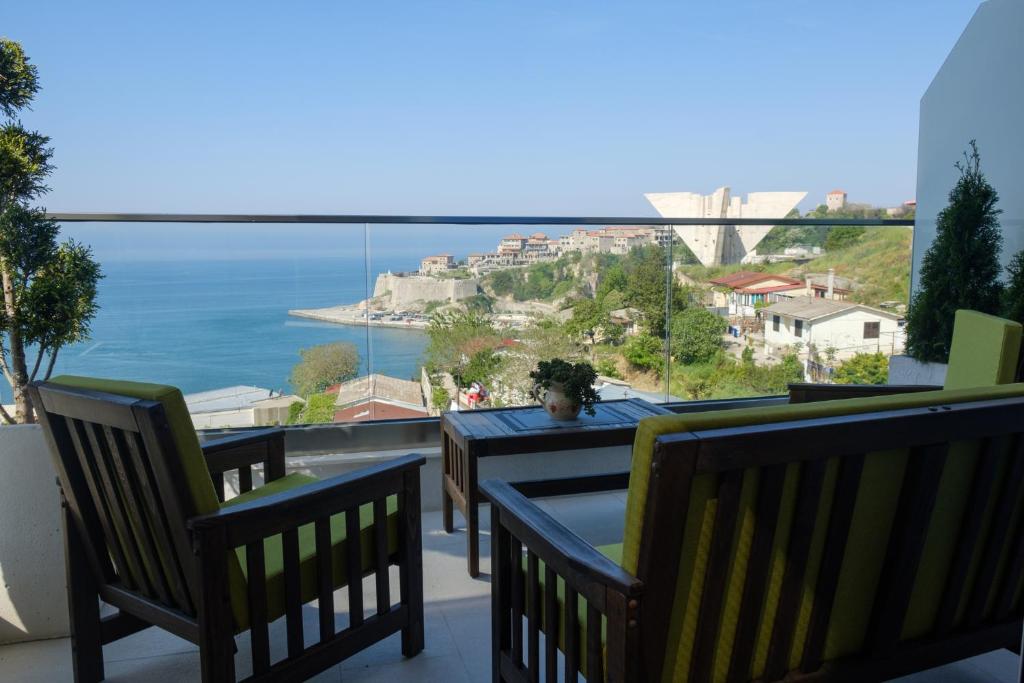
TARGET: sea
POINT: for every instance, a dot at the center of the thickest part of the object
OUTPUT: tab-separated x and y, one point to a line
204	324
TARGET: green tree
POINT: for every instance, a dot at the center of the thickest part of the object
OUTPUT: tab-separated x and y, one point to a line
49	288
644	352
843	236
318	409
455	337
440	398
961	267
863	368
696	335
324	365
1013	295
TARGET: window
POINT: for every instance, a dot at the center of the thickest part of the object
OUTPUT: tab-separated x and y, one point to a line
775	323
871	330
798	328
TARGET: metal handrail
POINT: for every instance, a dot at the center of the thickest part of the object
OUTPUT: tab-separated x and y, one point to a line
79	217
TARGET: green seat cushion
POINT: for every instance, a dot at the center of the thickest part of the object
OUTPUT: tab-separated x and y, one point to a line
984	350
274	559
613	552
873	514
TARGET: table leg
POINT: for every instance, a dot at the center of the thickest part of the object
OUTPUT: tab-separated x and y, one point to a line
447	465
447	507
472	515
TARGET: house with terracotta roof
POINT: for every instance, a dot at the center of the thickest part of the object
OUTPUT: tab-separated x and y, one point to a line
378	397
742	293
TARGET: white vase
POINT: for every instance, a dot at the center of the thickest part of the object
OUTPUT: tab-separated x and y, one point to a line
555	402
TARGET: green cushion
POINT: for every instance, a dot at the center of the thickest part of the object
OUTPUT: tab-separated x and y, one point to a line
874	509
613	552
274	559
984	350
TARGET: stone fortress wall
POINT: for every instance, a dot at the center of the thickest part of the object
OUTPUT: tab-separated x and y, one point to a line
401	291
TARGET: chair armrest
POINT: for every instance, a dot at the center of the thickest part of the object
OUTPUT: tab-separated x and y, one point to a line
271	515
572	558
242	451
806	392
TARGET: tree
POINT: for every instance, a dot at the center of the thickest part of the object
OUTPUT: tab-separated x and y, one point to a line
318	409
863	368
696	335
843	236
324	365
961	267
1013	295
49	288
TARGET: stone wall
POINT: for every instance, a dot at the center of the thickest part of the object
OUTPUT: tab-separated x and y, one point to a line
404	291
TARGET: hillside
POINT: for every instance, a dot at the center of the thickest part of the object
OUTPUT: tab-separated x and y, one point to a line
879	260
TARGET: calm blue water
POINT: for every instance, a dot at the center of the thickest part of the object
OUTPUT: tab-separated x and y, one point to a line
204	324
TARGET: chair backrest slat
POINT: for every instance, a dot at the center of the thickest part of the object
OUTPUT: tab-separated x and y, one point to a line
796	549
116	462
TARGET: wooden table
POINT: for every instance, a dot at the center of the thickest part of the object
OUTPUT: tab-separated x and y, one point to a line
469	435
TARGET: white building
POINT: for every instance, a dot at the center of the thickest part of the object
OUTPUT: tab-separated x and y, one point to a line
835	200
715	245
977	94
847	327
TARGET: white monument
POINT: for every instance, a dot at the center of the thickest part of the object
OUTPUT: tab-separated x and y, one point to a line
716	245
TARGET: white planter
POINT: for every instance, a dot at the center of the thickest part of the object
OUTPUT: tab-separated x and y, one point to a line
907	370
33	593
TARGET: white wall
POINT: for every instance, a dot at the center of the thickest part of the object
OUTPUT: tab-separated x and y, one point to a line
978	93
843	331
33	598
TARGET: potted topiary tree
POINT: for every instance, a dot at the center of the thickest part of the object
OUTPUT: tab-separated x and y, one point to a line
565	388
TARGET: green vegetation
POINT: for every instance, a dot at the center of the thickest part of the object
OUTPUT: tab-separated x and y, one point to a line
318	409
1013	294
49	288
576	380
440	398
879	261
453	274
696	335
644	352
462	343
607	368
863	368
961	267
724	377
542	281
324	365
433	305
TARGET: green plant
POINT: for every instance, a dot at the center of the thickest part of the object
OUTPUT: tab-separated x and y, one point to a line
576	380
863	368
696	335
318	409
607	368
440	398
1013	294
644	352
961	267
324	365
49	288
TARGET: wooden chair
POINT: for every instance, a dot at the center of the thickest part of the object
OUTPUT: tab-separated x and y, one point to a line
147	531
850	540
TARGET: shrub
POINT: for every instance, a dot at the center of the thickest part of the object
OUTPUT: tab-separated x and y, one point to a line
696	335
863	368
644	352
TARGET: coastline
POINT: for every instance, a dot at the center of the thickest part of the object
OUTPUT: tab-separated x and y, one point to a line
354	315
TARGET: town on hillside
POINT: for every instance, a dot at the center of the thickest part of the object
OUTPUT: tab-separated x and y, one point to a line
750	309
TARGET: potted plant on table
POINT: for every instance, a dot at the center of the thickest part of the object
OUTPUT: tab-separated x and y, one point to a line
565	388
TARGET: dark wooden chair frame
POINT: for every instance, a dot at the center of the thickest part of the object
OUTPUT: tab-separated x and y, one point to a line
105	444
637	610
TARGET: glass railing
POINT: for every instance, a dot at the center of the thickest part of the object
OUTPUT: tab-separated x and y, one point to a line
310	319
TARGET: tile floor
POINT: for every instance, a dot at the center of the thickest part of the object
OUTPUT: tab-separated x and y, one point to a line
458	627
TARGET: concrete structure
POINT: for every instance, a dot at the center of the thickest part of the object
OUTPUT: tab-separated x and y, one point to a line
977	94
431	265
835	200
848	328
400	292
716	245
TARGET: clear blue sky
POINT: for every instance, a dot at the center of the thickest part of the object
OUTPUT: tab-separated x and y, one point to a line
476	107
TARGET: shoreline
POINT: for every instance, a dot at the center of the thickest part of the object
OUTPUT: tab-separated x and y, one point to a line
353	315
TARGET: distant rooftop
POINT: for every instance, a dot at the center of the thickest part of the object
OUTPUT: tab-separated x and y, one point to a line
379	387
613	391
228	398
746	278
814	308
